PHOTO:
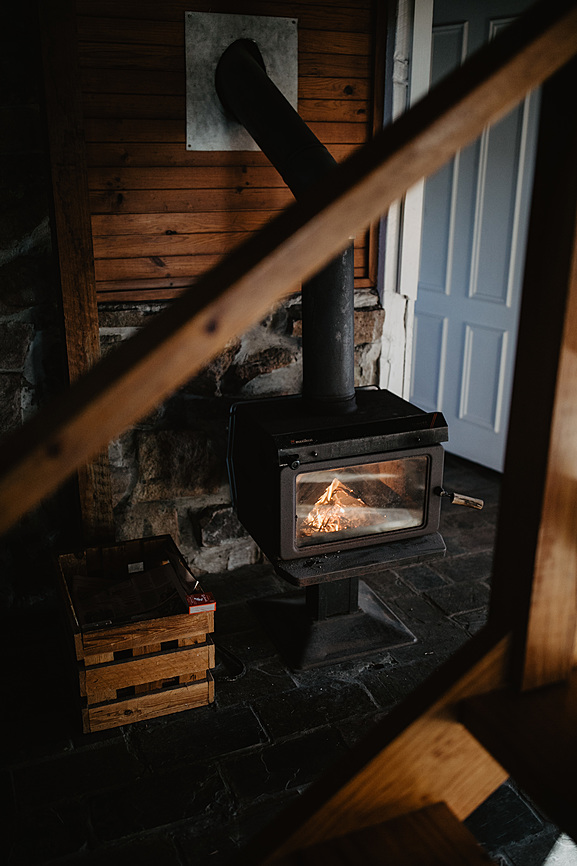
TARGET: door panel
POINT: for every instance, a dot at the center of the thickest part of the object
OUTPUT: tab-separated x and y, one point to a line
472	252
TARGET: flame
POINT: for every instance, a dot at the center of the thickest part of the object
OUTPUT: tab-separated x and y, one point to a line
337	509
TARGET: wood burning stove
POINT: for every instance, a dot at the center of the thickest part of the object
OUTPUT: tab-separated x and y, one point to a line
330	499
306	485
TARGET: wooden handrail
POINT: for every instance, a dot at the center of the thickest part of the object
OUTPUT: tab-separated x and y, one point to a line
127	384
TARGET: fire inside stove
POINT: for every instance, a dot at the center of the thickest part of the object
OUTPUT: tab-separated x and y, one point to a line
354	501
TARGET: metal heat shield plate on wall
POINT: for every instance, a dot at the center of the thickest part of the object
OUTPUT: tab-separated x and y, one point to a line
207	35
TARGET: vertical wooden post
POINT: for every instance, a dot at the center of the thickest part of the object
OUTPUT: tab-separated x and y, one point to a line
72	233
535	573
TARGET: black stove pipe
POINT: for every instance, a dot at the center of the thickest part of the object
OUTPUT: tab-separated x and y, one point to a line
247	92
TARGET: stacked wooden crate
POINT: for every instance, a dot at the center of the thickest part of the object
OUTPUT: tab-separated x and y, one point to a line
150	666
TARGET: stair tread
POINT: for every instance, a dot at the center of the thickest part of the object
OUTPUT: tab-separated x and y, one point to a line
533	735
432	836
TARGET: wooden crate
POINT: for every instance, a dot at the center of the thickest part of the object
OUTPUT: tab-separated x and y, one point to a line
141	669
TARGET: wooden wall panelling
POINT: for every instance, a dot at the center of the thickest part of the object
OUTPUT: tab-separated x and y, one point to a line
129	383
535	587
133	92
72	230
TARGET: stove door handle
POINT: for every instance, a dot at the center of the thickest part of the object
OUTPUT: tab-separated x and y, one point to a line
460	498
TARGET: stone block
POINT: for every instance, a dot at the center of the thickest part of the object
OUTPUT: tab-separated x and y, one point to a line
10	401
123	467
258	364
109	342
132	317
367	358
219	525
369	326
15	340
24	283
208	382
286	380
177	463
243	553
146	519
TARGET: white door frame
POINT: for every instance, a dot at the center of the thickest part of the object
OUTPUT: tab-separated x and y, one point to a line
408	78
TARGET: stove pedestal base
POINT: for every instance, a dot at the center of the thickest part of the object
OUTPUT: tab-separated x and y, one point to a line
305	642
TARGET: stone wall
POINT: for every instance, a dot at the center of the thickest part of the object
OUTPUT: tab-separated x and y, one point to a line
169	472
32	362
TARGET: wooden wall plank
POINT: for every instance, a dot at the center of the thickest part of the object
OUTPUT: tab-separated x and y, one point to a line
342	15
180	201
164	106
207	243
173	131
153	82
189	178
148	223
165	266
163	155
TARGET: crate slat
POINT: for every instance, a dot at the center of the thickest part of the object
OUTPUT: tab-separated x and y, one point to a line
149	706
146	669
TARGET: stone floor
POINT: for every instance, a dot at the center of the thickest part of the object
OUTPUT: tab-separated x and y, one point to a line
191	788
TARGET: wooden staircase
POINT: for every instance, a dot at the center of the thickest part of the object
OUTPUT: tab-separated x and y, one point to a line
506	703
431	836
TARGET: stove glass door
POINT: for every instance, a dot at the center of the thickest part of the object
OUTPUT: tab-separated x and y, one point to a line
360	500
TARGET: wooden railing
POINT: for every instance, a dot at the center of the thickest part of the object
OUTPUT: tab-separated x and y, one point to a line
423	752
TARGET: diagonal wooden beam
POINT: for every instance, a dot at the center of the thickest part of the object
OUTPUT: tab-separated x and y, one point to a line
534	590
126	385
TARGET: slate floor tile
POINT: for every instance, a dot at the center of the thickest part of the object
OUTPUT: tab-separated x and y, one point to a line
209	847
259	681
251	581
549	848
285	714
188	793
198	735
435	633
151	851
390	685
472	621
74	774
287	765
251	646
460	598
468	567
47	832
387	584
517	820
421	577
